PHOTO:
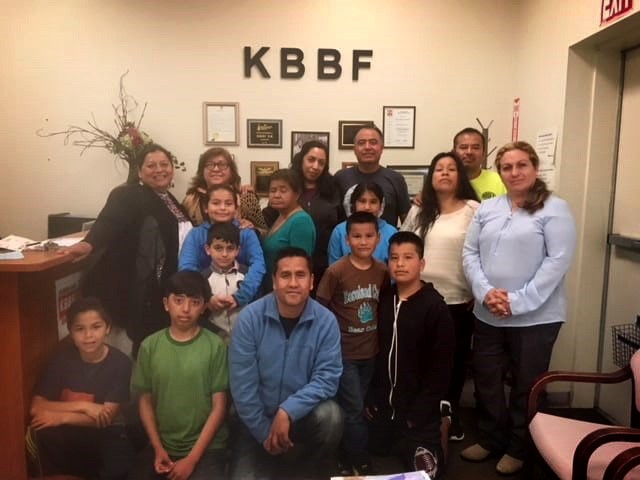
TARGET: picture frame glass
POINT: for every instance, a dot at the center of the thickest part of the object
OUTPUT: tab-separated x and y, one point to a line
260	174
264	133
299	138
220	123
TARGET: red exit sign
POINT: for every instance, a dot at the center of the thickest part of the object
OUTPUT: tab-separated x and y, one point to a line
612	9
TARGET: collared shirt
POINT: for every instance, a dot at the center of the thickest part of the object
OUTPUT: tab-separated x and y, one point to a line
526	254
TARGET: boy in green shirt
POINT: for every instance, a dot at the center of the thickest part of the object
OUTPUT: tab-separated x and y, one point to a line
182	377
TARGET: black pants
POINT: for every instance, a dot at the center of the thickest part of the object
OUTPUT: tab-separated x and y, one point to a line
463	319
526	352
104	453
390	437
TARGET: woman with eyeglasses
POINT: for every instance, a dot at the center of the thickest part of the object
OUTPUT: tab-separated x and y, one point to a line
218	167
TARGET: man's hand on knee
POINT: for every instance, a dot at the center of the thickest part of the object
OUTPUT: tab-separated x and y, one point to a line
278	441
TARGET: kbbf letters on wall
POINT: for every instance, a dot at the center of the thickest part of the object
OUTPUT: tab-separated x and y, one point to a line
292	63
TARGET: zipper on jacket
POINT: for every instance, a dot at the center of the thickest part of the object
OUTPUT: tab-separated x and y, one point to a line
284	363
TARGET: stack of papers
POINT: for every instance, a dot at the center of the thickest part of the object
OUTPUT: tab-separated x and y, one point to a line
419	475
11	246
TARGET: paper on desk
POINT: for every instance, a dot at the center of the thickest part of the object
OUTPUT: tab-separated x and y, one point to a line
14	242
11	256
419	475
66	241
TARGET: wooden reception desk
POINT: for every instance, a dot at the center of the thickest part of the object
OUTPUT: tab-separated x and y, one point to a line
28	334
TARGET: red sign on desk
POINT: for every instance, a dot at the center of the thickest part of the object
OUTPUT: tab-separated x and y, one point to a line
613	9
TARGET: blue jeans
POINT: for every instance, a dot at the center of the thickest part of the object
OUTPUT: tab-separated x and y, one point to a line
315	438
352	392
210	466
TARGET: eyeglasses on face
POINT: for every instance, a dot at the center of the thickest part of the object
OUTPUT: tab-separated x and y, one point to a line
220	165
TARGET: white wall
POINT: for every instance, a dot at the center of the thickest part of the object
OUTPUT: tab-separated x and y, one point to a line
453	61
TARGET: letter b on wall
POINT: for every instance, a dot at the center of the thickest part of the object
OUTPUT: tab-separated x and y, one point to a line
329	59
291	65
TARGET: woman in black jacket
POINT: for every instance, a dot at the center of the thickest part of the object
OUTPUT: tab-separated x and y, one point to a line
134	244
320	198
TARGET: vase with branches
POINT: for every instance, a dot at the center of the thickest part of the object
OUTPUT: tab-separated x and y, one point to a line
128	141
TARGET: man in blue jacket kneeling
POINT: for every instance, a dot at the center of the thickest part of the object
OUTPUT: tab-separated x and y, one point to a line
285	366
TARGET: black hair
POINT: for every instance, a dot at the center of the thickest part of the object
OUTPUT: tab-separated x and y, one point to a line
291	252
430	208
326	185
361	218
470	131
225	231
86	304
289	176
360	190
401	237
227	188
150	148
369	126
189	283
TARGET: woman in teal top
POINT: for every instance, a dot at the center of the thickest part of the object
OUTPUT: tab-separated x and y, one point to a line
293	227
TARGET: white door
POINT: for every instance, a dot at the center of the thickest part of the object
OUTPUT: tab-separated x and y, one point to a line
623	290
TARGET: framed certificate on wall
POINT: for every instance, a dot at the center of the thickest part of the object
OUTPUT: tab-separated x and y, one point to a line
220	123
399	127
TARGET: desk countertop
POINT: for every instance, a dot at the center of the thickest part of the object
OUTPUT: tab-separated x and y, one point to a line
36	261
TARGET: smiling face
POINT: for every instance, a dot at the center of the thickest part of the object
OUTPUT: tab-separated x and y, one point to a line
314	163
281	196
217	171
221	206
363	239
88	333
445	176
184	311
517	172
292	283
405	263
156	171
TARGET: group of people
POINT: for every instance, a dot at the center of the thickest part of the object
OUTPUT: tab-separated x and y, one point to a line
337	335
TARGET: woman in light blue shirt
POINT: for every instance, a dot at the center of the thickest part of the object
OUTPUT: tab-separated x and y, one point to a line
518	249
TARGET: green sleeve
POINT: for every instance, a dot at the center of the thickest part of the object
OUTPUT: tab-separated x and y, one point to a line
220	367
141	377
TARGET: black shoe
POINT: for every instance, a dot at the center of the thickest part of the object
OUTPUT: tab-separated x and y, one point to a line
364	469
344	469
456	433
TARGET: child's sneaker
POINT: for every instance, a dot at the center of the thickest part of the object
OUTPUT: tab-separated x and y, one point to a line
423	459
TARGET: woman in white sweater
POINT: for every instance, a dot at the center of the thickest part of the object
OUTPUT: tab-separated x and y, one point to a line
448	204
